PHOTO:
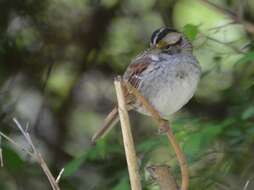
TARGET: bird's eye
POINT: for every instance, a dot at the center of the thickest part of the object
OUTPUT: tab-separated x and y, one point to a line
168	46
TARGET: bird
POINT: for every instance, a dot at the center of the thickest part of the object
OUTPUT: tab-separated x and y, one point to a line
166	75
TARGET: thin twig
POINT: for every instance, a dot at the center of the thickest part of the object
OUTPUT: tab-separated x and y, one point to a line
60	175
180	157
223	10
16	144
164	127
1	153
246	185
217	28
127	138
34	153
240	8
38	157
228	44
246	24
162	175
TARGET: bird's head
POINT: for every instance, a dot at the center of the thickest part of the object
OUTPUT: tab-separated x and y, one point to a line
169	40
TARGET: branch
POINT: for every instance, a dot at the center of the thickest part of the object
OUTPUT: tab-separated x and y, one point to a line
247	25
246	185
1	153
162	175
127	138
164	128
228	44
59	175
35	154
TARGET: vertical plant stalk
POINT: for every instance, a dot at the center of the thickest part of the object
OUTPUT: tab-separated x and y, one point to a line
127	138
162	175
164	128
1	153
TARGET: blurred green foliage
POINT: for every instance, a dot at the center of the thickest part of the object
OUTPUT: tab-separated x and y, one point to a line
13	162
58	59
191	31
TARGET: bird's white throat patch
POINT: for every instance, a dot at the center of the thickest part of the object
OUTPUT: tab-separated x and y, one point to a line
154	57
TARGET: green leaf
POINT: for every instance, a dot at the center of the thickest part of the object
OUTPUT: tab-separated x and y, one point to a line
100	151
73	165
123	184
246	58
193	145
148	145
190	31
3	185
201	139
248	113
12	160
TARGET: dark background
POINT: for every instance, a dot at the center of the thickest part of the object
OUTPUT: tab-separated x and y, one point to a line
58	59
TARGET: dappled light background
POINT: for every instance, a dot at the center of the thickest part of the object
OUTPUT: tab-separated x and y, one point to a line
58	59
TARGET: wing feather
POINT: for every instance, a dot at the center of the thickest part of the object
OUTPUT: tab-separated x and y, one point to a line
134	72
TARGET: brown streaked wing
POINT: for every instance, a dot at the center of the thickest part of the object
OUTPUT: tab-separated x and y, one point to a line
135	69
132	75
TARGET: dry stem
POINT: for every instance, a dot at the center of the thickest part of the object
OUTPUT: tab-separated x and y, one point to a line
127	138
246	185
164	127
35	154
1	153
162	175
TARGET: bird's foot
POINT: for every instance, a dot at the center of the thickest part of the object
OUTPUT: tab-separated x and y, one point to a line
164	127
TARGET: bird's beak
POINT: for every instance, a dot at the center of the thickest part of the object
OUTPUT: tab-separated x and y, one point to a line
152	46
158	46
161	44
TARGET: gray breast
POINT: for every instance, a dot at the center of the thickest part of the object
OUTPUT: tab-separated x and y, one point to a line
169	83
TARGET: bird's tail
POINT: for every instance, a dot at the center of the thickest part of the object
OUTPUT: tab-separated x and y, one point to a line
108	124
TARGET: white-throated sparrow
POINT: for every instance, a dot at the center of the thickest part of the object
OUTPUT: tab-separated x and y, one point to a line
166	74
